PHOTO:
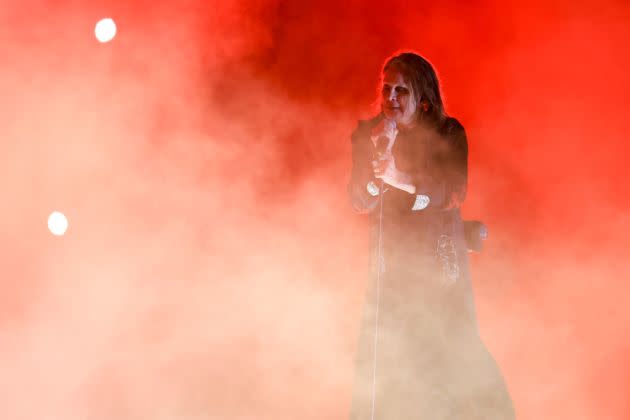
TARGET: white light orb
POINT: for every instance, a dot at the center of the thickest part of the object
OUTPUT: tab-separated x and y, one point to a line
105	30
57	223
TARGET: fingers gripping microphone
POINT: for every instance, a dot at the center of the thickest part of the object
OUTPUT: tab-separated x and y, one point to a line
385	137
383	142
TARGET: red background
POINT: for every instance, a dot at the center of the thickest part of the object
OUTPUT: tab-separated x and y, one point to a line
213	268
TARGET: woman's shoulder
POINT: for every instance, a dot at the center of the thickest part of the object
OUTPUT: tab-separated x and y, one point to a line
364	127
451	127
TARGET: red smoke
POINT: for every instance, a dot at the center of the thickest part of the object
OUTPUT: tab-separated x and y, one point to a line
213	269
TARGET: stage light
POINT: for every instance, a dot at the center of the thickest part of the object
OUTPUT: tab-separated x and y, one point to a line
105	30
57	223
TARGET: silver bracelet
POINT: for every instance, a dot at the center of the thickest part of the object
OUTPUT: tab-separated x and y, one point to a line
421	203
372	189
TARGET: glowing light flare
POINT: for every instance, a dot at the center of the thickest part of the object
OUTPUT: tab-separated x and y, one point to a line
57	223
105	30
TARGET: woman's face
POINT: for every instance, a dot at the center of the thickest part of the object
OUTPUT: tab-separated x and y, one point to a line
397	101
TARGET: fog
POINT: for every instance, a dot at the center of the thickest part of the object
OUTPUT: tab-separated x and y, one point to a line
213	267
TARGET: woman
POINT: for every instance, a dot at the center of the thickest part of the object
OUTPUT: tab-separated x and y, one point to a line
419	356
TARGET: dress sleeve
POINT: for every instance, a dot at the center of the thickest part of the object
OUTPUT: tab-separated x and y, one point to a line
362	201
444	181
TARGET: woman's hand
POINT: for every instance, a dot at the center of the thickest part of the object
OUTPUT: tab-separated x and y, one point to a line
385	169
385	128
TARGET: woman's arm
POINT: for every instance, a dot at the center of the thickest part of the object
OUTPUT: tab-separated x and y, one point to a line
385	169
362	201
446	185
455	169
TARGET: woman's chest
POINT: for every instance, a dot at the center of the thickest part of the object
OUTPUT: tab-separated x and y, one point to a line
412	153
